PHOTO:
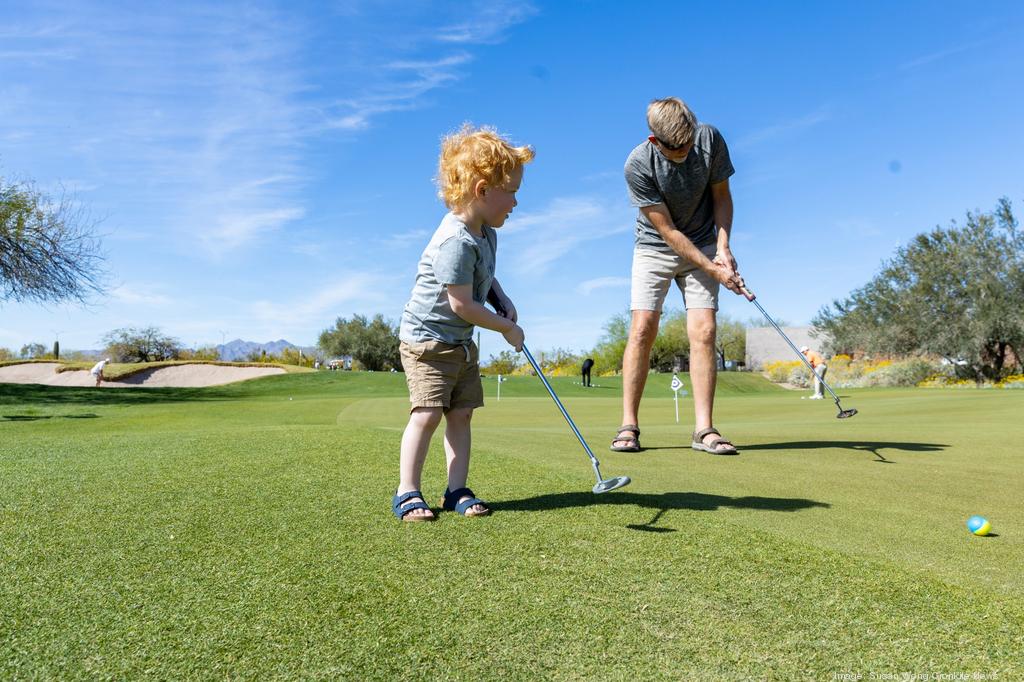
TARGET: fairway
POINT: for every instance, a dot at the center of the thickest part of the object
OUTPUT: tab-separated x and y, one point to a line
245	531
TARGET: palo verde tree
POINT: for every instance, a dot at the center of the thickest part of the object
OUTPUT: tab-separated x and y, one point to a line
49	251
373	343
953	292
148	344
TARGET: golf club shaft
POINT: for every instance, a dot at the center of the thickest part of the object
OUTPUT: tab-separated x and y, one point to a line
753	299
536	368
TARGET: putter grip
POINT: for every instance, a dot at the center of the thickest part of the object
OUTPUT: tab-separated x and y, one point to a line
492	298
746	293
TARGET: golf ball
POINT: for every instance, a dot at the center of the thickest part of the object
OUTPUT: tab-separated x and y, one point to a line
979	525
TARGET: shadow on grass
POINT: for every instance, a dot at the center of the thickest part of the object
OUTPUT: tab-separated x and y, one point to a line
662	502
34	417
860	446
22	394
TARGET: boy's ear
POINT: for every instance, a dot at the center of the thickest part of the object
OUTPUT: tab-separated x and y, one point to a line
480	188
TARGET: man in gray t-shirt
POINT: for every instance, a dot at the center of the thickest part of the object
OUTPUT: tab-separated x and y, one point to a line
679	181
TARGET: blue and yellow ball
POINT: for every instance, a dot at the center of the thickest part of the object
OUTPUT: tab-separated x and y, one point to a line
979	525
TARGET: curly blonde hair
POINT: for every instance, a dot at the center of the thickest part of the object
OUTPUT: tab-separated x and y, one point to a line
474	154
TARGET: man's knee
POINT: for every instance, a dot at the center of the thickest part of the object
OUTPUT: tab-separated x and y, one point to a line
643	328
701	327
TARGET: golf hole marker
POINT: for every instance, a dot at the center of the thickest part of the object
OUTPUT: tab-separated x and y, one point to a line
676	385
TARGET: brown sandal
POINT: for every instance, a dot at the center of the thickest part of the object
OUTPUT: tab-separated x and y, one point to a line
634	440
714	449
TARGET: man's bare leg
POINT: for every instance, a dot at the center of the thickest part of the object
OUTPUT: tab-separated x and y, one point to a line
636	362
701	327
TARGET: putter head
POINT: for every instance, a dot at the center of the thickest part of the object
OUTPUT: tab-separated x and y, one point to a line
846	414
610	484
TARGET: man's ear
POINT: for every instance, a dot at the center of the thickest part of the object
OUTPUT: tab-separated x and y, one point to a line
480	188
652	138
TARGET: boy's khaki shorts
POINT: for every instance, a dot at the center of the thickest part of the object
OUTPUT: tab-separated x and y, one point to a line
654	271
442	374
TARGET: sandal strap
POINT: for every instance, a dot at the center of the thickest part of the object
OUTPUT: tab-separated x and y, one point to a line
718	441
464	506
627	427
703	433
401	506
403	510
451	497
397	500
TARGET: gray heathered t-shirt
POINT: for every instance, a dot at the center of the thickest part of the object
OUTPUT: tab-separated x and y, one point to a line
684	188
453	256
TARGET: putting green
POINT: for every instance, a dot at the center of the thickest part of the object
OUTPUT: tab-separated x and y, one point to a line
245	531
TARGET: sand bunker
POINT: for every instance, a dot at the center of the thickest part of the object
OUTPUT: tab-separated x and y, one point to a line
177	376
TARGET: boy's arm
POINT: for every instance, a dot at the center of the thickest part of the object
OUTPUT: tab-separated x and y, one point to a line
662	221
507	308
460	297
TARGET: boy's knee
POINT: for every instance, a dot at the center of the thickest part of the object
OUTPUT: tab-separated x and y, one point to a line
428	417
459	415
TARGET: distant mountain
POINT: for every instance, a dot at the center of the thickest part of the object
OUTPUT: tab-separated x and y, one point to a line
239	350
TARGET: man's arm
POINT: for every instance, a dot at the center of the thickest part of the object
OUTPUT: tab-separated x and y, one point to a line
659	216
721	200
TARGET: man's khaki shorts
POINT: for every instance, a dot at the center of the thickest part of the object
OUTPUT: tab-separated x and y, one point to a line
442	374
654	271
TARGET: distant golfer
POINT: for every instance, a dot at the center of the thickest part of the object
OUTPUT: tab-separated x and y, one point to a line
679	181
588	365
820	368
97	370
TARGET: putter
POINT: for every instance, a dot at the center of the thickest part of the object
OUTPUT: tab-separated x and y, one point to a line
603	485
843	414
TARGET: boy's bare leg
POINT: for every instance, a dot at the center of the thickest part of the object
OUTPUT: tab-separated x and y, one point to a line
458	438
636	362
415	441
701	327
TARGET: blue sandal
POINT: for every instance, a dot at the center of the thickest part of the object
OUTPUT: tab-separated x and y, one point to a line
450	502
401	509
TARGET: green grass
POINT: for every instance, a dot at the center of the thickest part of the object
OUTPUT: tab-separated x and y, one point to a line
244	531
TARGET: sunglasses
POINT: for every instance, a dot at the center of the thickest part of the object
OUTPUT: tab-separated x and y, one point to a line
672	148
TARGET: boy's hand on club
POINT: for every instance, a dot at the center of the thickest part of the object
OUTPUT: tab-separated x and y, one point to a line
515	337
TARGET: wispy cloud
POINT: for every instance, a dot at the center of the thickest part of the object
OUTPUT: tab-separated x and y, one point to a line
587	287
940	54
403	240
488	25
139	294
404	83
359	289
783	128
194	113
544	236
402	86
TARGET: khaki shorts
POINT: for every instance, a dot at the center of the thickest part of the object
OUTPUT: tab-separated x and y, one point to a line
654	271
442	374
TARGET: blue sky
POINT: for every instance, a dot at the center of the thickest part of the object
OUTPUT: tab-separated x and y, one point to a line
260	169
